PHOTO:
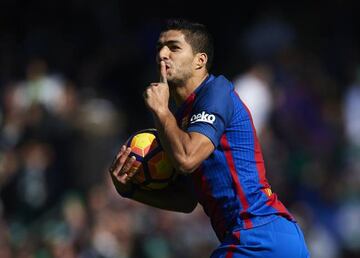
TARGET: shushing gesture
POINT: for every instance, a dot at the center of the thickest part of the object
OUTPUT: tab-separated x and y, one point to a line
157	94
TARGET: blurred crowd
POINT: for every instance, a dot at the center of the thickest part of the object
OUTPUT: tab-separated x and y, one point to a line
65	111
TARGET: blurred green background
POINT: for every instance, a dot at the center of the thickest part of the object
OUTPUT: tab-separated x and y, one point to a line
71	80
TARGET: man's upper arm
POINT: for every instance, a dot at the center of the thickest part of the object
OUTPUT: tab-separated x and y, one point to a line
201	148
212	111
211	115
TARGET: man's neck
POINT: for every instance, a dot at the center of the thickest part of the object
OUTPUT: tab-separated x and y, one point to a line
181	92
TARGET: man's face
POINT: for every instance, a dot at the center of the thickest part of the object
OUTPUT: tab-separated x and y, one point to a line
177	54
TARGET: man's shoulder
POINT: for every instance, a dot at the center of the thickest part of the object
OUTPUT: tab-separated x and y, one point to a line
216	92
218	85
220	80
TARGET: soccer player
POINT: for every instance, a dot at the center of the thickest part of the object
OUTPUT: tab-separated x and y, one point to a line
212	140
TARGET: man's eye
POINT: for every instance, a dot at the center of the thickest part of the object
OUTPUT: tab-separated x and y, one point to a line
174	48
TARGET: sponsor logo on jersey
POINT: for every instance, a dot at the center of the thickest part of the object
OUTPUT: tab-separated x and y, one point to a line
203	117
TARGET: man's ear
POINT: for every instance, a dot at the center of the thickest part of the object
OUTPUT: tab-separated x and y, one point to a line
201	60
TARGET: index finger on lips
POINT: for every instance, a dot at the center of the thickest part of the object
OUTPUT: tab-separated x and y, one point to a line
163	72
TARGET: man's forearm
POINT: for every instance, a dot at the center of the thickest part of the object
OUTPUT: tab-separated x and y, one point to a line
180	191
168	199
175	141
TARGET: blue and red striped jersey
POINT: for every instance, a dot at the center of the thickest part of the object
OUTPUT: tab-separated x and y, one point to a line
231	183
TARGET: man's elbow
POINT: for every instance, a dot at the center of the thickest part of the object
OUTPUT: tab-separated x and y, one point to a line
187	165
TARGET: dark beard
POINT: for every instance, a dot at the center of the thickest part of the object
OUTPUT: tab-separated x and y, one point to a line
177	82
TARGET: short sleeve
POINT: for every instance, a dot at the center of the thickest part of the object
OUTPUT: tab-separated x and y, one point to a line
212	110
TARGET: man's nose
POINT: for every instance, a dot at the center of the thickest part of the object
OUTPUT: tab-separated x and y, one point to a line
164	53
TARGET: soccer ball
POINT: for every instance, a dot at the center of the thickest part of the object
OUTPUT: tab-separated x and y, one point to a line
154	169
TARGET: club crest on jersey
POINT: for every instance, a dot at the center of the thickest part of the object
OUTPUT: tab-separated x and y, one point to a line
203	117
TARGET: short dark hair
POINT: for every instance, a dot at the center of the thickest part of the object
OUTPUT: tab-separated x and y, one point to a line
196	34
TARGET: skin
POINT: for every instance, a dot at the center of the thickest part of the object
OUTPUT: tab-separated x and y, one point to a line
181	72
